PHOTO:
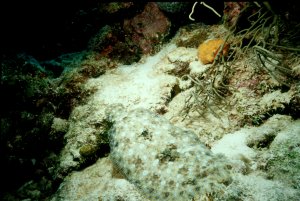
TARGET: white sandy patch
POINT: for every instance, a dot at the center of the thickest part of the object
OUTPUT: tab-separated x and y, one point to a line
234	144
256	188
134	85
234	147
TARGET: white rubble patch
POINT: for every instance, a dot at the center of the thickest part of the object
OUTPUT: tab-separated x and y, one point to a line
283	157
184	62
134	85
265	134
183	54
235	148
256	188
121	189
182	57
243	149
236	145
208	127
96	183
197	68
275	100
289	131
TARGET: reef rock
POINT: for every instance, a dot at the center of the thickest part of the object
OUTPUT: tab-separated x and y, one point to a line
148	28
165	162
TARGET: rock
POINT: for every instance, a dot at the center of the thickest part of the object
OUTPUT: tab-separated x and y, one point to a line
96	183
148	28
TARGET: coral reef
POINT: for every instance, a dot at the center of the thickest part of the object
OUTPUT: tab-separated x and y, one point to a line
227	131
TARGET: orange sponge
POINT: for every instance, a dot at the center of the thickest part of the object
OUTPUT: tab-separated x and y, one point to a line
208	50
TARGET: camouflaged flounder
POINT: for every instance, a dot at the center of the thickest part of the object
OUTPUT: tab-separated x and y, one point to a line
165	162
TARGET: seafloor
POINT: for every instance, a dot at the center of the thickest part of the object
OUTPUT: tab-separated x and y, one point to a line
250	128
163	129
